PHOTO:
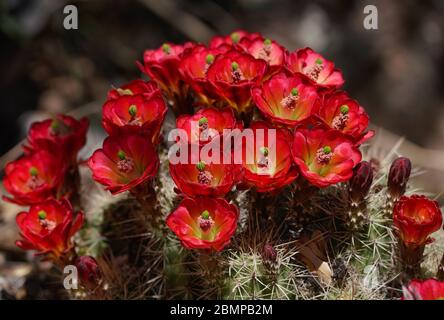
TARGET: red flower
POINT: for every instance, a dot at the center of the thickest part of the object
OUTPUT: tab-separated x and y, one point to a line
62	133
415	218
430	289
34	177
133	113
207	123
135	87
48	227
202	179
124	162
270	51
233	39
285	100
325	157
232	75
162	64
342	113
204	223
267	164
194	66
315	67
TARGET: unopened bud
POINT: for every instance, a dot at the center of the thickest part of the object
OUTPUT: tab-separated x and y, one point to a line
269	253
361	181
89	271
399	176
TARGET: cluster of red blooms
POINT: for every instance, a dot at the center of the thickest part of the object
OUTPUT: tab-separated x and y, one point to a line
318	128
238	81
43	179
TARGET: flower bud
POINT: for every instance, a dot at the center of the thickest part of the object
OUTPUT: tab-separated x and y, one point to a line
361	181
269	253
89	271
399	176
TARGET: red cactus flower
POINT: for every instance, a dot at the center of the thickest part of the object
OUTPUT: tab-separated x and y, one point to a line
430	289
162	64
124	162
134	113
342	113
204	223
415	218
34	177
203	179
207	123
62	133
315	67
285	100
48	227
135	87
324	156
232	75
271	167
270	51
233	39
194	67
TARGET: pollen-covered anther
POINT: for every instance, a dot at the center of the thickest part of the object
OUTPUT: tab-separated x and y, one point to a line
340	121
263	160
291	100
204	176
58	128
205	221
324	155
313	72
166	48
209	59
125	164
134	120
235	37
265	51
34	181
236	72
44	223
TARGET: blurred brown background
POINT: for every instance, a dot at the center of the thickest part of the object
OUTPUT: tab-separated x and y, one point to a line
395	71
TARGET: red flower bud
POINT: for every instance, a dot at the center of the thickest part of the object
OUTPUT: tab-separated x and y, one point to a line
430	289
48	227
269	253
361	181
89	271
415	218
399	176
